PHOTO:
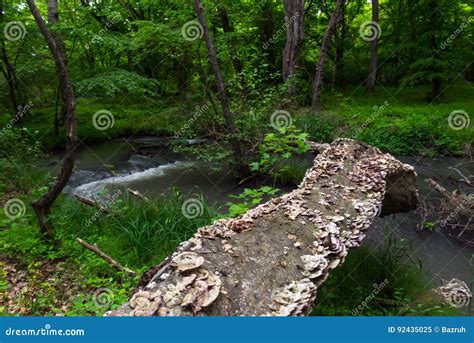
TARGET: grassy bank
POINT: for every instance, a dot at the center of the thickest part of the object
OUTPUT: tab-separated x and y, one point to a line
399	121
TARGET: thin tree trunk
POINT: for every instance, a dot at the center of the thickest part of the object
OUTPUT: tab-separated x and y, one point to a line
436	82
9	71
340	36
221	88
42	207
266	28
53	12
53	18
294	13
10	77
237	63
373	50
318	78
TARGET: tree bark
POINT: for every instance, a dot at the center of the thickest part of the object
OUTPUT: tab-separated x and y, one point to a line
236	62
229	118
53	18
42	207
272	259
339	40
53	11
8	71
373	50
10	76
294	15
318	78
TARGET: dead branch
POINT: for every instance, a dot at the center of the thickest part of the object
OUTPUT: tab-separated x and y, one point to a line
95	249
137	194
92	203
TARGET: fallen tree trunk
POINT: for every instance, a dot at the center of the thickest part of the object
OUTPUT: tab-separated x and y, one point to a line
272	259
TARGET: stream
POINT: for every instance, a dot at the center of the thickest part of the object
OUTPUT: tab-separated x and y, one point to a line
147	165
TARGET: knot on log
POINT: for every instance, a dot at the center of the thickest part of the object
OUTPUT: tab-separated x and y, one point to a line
272	259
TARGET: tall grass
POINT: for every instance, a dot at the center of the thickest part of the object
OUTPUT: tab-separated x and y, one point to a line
379	281
137	233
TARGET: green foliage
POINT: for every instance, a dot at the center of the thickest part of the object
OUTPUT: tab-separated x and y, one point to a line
250	198
321	128
137	234
113	83
278	147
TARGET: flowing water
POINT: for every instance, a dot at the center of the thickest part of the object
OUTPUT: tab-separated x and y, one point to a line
147	165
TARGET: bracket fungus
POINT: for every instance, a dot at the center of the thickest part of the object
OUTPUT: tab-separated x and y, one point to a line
272	259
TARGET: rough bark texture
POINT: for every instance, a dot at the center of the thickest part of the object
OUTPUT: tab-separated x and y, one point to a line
272	259
373	50
220	84
43	206
294	13
53	12
318	78
236	62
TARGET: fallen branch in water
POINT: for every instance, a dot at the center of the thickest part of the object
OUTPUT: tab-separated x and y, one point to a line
95	249
456	211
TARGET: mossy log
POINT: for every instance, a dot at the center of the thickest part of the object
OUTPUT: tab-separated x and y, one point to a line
272	259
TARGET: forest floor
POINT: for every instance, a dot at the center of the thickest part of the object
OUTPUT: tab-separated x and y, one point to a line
39	278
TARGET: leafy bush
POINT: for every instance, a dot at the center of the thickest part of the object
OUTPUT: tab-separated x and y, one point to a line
117	82
276	148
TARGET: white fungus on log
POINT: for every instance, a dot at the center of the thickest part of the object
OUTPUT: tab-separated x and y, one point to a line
272	259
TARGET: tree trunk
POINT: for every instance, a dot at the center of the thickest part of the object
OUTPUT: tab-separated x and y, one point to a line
53	18
237	63
9	71
43	206
373	50
220	88
272	259
10	76
266	28
318	78
53	11
339	38
294	16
